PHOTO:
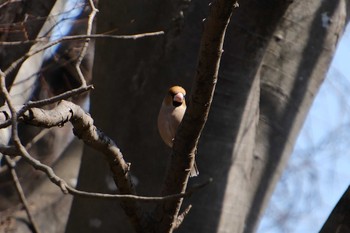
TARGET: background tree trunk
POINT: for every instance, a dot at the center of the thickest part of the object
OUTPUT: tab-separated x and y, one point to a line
294	66
276	54
268	77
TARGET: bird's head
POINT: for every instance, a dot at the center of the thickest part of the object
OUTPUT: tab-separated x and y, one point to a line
176	96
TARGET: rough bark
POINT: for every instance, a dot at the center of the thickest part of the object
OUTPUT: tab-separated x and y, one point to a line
293	68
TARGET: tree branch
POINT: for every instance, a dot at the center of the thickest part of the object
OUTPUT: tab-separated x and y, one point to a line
86	44
123	197
84	129
182	216
84	37
11	164
186	140
41	103
339	219
11	151
19	61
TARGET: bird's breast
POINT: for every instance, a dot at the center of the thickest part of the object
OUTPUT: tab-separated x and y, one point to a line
168	121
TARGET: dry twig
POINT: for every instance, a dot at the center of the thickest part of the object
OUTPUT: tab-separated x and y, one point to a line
86	44
11	164
64	112
83	37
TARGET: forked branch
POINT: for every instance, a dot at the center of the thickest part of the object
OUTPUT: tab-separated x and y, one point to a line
189	131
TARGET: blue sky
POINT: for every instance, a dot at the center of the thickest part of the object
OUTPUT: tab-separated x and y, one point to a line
318	172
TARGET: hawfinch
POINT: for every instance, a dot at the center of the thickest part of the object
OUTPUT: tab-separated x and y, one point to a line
170	115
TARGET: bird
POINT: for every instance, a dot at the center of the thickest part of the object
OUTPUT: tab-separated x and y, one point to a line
170	115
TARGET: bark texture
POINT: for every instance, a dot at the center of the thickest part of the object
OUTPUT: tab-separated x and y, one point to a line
294	66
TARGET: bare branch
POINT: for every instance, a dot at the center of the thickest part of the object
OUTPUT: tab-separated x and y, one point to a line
18	145
182	216
13	152
189	131
54	99
41	103
338	220
84	129
68	189
19	61
83	37
86	44
11	164
124	197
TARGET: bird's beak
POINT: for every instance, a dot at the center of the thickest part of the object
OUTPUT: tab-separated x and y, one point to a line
179	97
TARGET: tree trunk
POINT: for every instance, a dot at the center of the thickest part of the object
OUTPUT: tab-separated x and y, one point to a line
293	68
272	67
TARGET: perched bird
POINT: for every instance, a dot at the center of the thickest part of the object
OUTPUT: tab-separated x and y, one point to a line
170	115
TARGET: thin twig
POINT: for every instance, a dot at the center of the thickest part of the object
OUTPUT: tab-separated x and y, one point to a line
69	111
36	138
84	128
56	98
123	197
12	151
11	164
92	15
182	216
41	103
83	37
16	141
16	63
